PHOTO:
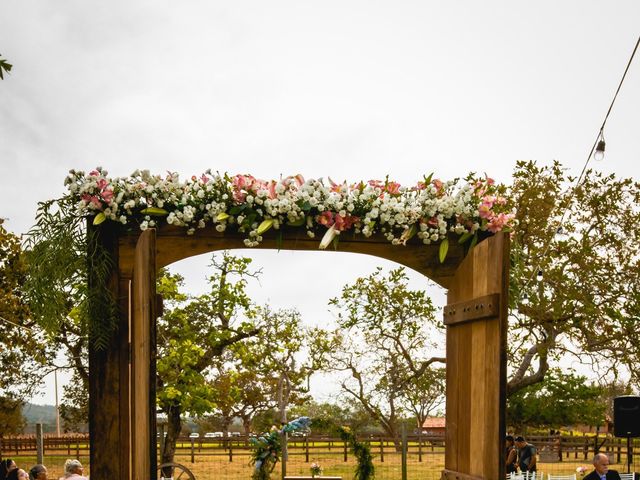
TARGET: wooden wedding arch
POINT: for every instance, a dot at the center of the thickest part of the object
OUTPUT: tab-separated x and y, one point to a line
122	376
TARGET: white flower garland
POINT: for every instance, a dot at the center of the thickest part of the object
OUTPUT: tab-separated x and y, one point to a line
430	209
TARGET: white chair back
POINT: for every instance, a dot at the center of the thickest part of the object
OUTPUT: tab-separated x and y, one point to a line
627	476
561	477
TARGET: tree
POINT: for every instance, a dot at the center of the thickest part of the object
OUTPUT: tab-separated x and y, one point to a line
193	333
268	370
587	303
24	348
561	399
387	331
11	419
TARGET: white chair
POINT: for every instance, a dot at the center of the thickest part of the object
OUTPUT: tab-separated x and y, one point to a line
561	477
627	476
526	476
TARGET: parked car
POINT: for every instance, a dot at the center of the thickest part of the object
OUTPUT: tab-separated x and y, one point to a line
194	435
210	435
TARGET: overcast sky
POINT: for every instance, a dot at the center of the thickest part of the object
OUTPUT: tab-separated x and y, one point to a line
347	89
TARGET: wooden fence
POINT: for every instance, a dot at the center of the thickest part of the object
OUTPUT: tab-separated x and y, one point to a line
551	449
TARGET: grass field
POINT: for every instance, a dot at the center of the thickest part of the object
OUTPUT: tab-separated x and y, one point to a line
208	467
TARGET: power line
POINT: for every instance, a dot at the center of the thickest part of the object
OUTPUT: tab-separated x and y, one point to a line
600	136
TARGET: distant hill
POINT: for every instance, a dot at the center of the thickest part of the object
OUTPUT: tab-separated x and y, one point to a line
45	414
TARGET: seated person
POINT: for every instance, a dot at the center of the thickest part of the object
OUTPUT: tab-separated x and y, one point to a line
601	469
17	474
38	472
73	470
6	466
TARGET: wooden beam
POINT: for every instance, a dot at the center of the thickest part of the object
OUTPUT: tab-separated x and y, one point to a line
143	346
477	309
451	475
174	245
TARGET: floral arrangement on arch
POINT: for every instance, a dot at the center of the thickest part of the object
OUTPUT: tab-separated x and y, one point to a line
430	209
581	470
266	449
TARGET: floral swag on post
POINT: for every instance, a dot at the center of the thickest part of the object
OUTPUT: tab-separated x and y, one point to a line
431	209
267	448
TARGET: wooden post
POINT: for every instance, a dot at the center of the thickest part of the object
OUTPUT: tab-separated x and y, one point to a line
381	450
420	445
345	450
193	453
476	320
39	444
404	451
306	449
109	372
143	347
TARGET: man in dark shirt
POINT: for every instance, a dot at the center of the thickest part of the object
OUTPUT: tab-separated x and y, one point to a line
601	469
526	455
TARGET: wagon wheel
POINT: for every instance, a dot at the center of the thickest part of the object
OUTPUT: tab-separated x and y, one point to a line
175	471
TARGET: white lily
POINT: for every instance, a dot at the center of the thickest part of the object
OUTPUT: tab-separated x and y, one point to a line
328	237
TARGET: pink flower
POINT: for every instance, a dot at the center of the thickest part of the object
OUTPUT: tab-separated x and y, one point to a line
498	222
94	173
344	223
272	189
204	179
439	186
393	188
102	183
325	218
107	195
376	183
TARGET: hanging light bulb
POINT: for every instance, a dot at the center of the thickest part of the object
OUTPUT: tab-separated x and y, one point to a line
539	275
561	234
525	299
599	155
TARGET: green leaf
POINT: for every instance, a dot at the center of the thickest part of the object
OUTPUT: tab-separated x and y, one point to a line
155	211
265	225
427	180
444	248
306	206
298	222
464	237
474	240
237	209
279	240
99	218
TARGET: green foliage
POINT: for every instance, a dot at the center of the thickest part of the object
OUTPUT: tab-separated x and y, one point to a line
11	419
69	268
4	66
588	303
24	351
267	448
362	451
387	333
193	335
561	399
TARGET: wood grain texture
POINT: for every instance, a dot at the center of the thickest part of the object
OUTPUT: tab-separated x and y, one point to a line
476	366
123	420
173	245
476	309
143	307
108	380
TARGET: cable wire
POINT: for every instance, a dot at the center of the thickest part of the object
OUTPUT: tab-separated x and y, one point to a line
586	163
